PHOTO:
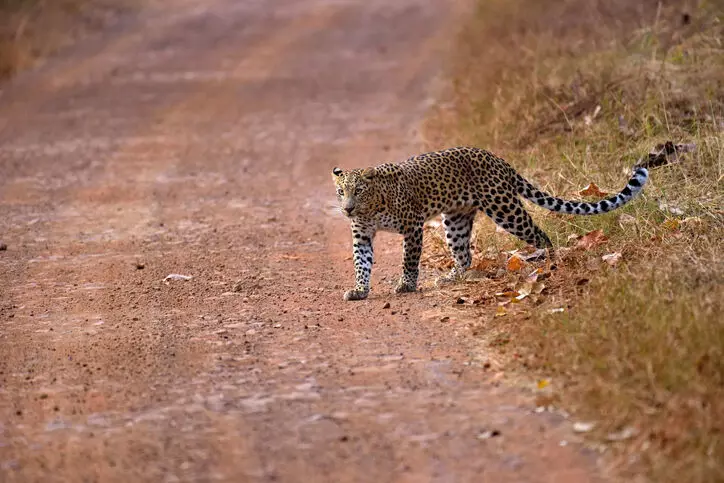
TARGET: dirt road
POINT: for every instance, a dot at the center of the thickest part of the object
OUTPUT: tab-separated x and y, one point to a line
198	140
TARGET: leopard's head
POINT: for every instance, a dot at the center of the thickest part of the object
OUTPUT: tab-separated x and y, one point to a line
356	191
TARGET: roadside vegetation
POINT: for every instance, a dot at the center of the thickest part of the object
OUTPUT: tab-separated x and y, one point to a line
628	332
30	30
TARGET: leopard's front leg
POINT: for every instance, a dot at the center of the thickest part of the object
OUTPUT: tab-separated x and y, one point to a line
363	256
412	247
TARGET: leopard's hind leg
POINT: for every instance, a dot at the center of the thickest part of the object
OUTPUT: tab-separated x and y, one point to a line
513	218
458	229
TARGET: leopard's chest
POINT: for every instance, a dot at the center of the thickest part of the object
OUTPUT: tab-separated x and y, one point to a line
386	221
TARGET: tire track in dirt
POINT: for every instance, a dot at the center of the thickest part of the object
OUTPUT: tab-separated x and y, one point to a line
203	146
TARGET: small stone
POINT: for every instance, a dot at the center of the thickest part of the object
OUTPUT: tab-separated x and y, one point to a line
444	319
626	433
3	247
489	434
460	301
386	306
140	265
583	427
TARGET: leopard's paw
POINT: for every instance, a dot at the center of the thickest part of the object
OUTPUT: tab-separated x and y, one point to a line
356	294
445	281
451	278
405	287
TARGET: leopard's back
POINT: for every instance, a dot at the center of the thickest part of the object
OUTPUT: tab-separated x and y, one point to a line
456	179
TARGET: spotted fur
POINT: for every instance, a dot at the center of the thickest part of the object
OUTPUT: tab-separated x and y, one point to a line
456	183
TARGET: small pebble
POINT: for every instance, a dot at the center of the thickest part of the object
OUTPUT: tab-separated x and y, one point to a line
3	247
489	434
386	306
583	427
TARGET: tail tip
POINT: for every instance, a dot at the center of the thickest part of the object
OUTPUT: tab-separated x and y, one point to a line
641	172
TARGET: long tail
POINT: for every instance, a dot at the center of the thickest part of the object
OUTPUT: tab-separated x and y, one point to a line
633	187
661	155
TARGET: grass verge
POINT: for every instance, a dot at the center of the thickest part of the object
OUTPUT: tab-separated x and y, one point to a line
631	326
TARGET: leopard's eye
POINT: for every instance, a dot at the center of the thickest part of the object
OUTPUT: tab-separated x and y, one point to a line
358	189
340	192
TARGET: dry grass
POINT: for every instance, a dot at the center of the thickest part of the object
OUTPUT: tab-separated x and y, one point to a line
30	30
641	343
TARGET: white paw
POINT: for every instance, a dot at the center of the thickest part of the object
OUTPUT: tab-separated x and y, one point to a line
356	294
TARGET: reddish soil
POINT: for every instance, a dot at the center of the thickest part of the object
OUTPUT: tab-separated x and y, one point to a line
199	140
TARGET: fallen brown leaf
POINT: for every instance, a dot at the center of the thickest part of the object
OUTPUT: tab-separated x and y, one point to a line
671	224
545	400
591	239
592	190
482	264
514	264
543	383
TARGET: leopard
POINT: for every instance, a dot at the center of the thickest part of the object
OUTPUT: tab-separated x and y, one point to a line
456	183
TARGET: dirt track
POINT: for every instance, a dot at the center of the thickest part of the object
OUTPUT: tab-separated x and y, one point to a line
199	140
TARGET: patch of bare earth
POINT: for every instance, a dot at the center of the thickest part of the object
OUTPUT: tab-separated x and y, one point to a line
32	30
197	141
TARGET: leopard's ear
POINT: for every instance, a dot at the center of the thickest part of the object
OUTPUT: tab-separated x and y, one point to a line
368	173
337	171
